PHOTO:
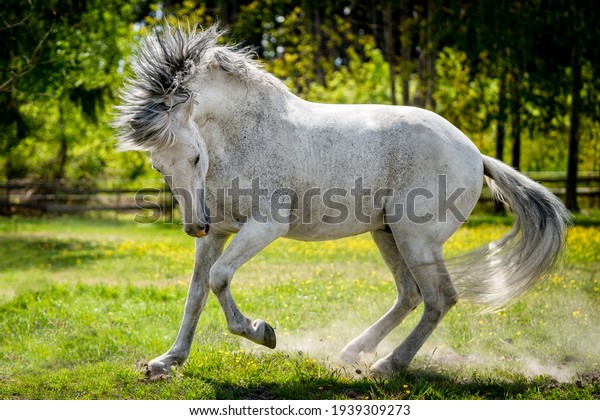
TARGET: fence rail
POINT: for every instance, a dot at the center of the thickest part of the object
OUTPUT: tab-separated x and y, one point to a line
62	197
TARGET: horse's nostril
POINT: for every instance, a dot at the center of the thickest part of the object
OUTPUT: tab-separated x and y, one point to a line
202	232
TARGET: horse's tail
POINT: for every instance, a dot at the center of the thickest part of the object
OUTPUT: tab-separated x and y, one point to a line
502	271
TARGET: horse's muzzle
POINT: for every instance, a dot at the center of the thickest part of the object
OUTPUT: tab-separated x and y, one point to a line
197	231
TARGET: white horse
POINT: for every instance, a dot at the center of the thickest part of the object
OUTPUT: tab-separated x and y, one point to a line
245	156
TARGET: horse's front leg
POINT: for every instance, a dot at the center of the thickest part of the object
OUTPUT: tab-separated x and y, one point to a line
251	239
208	250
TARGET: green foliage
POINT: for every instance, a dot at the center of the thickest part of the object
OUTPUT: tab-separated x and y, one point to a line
365	79
465	99
91	148
60	84
66	60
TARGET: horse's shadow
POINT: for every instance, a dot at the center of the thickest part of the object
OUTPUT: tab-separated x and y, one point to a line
417	383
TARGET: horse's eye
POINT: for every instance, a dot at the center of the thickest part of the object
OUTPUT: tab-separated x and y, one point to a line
197	160
156	169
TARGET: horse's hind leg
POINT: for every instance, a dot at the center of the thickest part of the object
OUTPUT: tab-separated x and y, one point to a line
427	266
408	299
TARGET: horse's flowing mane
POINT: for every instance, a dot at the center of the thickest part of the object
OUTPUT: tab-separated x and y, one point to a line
165	64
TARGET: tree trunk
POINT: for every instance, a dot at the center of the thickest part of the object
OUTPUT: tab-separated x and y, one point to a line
501	131
16	131
319	41
501	117
421	49
576	85
374	20
516	136
63	150
389	47
429	99
228	11
405	37
516	120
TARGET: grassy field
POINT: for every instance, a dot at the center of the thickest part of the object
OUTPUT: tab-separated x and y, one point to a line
85	302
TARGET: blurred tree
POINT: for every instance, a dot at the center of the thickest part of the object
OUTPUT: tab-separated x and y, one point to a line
518	76
59	53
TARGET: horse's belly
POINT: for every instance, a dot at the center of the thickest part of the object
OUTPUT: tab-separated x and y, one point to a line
323	230
324	234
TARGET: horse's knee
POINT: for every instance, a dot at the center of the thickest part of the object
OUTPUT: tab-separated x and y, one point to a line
220	277
407	302
437	307
411	297
433	313
450	297
451	300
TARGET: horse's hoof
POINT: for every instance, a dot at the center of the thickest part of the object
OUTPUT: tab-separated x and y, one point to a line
265	333
383	368
270	337
155	371
349	357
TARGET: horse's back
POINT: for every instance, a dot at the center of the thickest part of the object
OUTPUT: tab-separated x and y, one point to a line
407	159
392	144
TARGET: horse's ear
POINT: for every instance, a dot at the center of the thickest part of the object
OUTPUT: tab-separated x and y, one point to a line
217	60
188	109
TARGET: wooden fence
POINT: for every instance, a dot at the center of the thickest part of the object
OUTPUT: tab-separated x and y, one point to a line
63	197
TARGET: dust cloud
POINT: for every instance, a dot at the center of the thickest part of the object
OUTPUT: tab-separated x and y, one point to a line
580	357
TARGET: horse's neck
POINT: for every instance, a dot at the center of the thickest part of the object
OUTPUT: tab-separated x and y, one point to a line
237	104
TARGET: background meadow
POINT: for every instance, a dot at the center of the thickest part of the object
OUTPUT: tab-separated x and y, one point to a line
84	302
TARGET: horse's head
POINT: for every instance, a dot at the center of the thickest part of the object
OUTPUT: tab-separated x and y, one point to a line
183	164
158	111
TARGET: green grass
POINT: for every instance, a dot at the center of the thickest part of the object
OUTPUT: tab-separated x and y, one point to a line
85	302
